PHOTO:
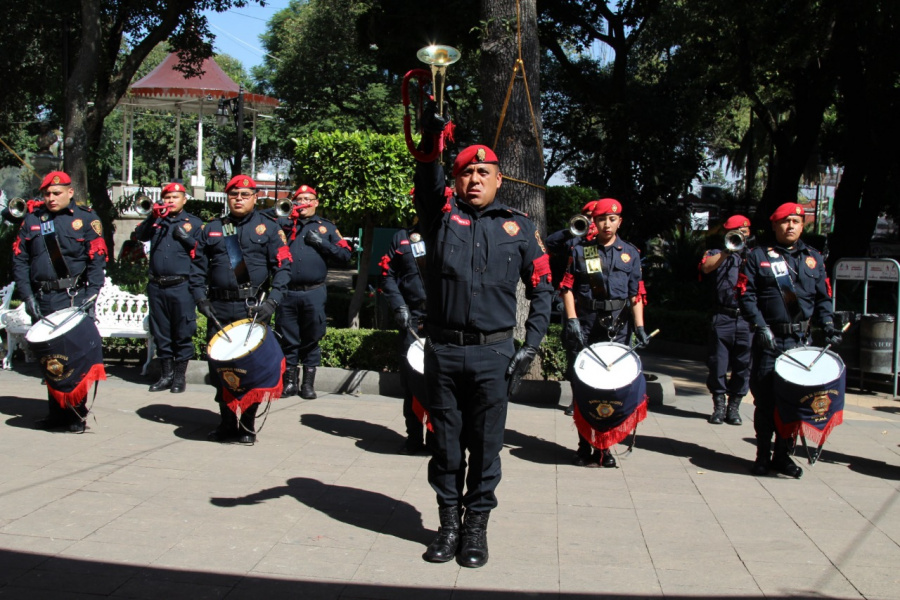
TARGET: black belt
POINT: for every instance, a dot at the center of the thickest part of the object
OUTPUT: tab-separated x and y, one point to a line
467	338
731	312
241	294
58	284
168	280
789	328
607	305
304	288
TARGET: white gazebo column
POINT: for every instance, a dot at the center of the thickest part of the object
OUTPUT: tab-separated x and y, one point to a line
177	142
130	179
198	181
253	149
124	172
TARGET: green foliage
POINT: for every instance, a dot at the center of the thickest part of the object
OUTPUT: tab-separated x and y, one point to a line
204	209
564	201
553	361
8	235
367	349
132	277
358	173
670	272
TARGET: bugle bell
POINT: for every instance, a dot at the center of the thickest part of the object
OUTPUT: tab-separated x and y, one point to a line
284	207
579	225
735	240
438	58
143	205
17	208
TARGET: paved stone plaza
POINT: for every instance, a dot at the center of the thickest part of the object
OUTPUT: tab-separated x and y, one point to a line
141	506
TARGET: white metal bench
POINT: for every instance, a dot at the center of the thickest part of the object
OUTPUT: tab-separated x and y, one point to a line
118	314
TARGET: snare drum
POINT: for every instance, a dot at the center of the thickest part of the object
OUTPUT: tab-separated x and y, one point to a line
71	354
250	367
809	401
415	373
608	403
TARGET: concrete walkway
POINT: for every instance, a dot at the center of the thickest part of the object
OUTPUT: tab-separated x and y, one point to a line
142	506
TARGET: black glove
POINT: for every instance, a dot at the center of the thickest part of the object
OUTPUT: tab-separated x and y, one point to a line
642	337
766	337
434	122
519	366
574	337
181	235
263	311
401	317
314	239
832	335
33	309
206	309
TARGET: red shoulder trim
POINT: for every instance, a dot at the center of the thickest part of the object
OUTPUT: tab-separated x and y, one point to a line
342	243
567	282
741	285
284	254
541	267
17	246
385	264
98	246
642	292
828	285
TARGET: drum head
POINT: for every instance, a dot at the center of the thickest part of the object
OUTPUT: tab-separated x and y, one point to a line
221	349
590	372
415	356
827	368
42	331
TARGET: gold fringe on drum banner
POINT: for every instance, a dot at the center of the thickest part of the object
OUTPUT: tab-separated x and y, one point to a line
422	414
814	435
79	393
606	439
254	396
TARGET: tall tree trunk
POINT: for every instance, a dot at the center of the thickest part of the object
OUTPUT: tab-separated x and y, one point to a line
362	279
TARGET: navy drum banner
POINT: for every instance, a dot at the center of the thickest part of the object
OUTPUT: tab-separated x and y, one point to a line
809	393
609	402
71	354
250	365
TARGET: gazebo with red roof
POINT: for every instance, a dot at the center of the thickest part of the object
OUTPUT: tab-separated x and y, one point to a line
165	89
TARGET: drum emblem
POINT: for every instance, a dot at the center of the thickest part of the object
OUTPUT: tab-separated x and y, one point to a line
820	404
231	380
260	229
605	410
54	367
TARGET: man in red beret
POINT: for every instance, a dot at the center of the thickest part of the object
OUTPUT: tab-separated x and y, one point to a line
173	235
300	318
729	337
479	249
59	257
782	288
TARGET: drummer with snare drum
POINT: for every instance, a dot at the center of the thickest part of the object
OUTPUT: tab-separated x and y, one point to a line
782	287
603	295
59	258
236	255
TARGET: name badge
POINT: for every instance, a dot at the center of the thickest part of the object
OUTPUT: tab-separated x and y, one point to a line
418	249
779	268
592	260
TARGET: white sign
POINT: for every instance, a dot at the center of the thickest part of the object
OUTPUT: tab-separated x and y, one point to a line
878	270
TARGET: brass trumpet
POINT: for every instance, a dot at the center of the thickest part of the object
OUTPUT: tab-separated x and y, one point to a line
579	225
17	208
143	205
735	240
284	207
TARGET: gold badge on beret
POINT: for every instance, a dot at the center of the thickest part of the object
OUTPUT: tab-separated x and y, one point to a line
245	182
626	258
614	208
810	262
188	226
798	210
56	180
77	224
480	154
511	228
97	226
260	229
323	229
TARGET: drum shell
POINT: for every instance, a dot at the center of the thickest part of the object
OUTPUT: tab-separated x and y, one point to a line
260	368
811	408
792	393
67	358
606	409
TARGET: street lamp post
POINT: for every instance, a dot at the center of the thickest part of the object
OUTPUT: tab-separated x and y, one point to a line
235	109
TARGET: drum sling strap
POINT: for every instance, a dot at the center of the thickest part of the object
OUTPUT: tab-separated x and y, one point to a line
232	236
57	261
593	267
418	251
782	272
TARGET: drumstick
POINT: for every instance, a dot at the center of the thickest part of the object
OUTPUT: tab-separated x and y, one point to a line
597	356
262	298
80	309
415	335
825	349
221	329
636	346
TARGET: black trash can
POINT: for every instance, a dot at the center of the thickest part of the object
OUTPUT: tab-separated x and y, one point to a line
848	349
876	344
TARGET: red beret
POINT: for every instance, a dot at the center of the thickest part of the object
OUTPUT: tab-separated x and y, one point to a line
589	207
55	178
305	189
240	181
173	187
474	154
607	206
736	222
785	210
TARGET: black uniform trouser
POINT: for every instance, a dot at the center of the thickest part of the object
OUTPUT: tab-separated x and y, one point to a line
596	329
467	403
300	319
228	311
729	349
173	320
762	385
413	424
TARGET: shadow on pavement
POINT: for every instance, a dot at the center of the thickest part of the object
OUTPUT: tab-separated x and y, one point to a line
24	411
369	436
863	466
538	450
353	506
674	411
700	456
190	423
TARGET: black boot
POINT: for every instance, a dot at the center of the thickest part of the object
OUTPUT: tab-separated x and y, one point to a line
781	460
247	433
733	416
179	380
77	417
445	545
307	389
56	416
607	460
473	550
290	387
165	378
227	429
763	457
570	409
718	413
